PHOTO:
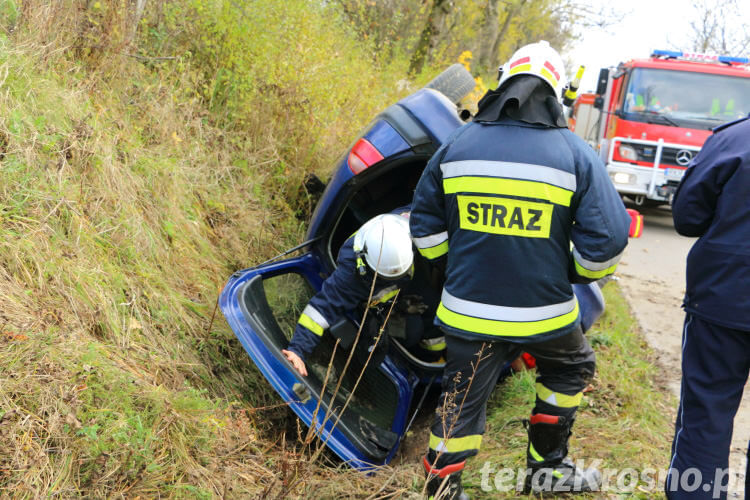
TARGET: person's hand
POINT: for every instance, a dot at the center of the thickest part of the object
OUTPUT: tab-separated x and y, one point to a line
414	304
296	361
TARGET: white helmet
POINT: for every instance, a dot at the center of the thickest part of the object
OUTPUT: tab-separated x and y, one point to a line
538	59
385	243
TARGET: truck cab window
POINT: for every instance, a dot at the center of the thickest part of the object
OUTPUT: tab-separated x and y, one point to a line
685	99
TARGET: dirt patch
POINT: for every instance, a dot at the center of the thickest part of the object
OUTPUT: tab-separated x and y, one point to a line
652	276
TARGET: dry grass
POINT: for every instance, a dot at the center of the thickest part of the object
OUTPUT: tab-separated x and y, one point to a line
125	203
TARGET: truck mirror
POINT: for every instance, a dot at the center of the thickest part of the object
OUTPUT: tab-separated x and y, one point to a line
599	102
601	84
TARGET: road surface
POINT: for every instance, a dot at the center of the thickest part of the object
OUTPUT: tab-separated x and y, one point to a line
652	276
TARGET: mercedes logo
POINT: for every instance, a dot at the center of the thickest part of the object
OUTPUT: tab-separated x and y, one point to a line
683	157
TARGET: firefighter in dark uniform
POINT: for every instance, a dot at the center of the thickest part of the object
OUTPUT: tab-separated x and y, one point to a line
382	245
713	202
500	203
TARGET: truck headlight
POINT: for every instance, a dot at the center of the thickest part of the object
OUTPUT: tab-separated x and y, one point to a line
623	178
628	152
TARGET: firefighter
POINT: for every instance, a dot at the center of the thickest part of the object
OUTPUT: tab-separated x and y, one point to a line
382	246
499	205
712	204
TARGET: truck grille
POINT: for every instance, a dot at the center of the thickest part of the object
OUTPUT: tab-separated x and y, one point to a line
647	153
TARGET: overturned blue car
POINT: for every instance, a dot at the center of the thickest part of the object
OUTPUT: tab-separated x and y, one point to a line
262	304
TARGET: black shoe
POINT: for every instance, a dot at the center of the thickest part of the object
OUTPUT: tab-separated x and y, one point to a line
549	469
445	483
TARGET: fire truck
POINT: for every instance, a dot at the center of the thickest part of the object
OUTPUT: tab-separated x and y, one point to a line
650	117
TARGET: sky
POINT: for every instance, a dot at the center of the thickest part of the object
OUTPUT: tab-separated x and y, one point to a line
645	25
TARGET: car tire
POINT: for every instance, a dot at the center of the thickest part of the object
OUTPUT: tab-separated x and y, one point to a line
455	83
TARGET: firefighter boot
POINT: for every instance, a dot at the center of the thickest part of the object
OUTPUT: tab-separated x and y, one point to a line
445	483
549	469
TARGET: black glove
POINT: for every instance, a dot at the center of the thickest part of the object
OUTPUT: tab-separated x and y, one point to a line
412	304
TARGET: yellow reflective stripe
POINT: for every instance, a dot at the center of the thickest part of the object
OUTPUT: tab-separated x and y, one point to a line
594	275
557	474
550	77
519	68
535	454
508	187
434	347
505	328
434	252
455	445
385	298
311	325
557	398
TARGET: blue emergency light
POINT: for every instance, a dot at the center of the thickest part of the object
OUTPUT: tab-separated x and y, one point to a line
674	54
737	60
666	53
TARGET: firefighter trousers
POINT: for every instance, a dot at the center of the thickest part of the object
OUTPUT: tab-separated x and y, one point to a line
565	365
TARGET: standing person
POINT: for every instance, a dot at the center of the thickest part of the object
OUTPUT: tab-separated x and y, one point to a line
500	203
713	202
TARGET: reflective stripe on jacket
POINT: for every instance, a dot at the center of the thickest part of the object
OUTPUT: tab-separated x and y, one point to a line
503	201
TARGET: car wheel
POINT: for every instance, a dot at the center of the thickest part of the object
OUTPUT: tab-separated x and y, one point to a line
455	83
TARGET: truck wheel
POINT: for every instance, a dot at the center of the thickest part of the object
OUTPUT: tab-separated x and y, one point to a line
455	83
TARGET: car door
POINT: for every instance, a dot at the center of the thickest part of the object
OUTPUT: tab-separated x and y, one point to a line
261	306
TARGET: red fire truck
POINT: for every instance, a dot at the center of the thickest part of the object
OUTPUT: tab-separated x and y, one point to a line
650	117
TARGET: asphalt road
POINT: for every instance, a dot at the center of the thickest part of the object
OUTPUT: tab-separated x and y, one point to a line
652	275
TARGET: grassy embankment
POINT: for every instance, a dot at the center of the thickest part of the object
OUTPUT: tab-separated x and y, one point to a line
137	173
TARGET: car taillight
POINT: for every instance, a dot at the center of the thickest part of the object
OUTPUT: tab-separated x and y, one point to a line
362	156
627	152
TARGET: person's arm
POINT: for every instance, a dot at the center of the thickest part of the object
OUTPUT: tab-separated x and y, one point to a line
427	222
600	222
341	292
694	203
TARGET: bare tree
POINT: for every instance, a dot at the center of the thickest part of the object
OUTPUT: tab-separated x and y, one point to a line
509	24
718	27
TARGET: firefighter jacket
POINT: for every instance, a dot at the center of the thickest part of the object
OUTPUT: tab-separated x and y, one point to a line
342	292
713	202
503	200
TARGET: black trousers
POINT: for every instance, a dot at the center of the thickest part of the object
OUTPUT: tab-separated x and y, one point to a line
565	365
715	367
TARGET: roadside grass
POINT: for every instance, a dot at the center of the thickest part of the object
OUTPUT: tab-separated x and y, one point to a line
625	420
126	201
